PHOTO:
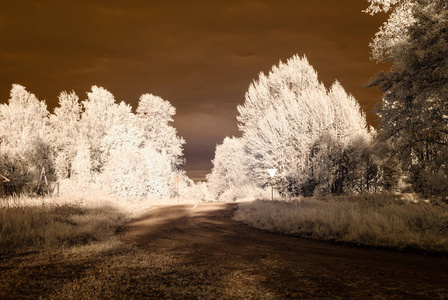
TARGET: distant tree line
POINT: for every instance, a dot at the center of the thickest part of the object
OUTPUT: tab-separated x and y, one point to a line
95	141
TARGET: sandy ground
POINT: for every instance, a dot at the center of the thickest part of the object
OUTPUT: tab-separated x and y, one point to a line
278	266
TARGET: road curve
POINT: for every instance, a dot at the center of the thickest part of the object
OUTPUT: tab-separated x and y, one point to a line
286	267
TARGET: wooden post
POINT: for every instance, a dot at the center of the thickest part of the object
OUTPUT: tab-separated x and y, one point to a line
42	174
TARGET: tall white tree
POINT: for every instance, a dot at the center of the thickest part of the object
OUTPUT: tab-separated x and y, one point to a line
98	117
65	132
24	143
286	113
230	167
282	115
154	116
24	119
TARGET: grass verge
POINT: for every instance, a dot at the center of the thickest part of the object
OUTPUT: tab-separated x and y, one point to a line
56	226
388	221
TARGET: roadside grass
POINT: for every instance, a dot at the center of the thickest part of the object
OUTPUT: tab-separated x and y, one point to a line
51	227
43	224
70	248
382	220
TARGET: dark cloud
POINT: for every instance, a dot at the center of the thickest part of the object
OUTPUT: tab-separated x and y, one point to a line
199	55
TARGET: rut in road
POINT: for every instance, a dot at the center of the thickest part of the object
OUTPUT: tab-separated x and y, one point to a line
206	235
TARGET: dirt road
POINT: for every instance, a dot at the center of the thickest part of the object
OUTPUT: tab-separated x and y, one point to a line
252	263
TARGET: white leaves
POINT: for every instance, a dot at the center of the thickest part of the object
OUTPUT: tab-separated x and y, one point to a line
286	114
99	137
125	134
24	119
393	33
81	163
377	6
69	109
98	115
156	108
142	173
154	115
230	167
348	119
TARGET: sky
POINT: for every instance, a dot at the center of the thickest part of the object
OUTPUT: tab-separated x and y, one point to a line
199	55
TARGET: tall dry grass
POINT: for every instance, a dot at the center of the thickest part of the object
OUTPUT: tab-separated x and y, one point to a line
371	220
49	223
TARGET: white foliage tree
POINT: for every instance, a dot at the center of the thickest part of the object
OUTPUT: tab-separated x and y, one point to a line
23	138
142	174
393	33
154	115
136	156
82	164
230	167
65	132
24	119
283	113
286	113
125	133
349	120
98	117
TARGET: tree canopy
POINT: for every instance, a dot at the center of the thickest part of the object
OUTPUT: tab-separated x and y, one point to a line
97	141
414	109
292	123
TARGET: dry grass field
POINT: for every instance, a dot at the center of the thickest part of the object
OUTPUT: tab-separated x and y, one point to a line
60	248
387	221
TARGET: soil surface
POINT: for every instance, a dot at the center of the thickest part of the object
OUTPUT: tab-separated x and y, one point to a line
251	263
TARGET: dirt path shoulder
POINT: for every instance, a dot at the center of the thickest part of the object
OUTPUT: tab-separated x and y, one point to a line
248	263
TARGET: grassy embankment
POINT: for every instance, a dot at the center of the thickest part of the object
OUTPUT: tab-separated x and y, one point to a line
386	221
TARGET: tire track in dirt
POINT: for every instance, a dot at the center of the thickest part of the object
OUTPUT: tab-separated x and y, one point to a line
283	266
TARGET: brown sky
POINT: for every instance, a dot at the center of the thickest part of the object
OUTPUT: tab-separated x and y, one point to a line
199	55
